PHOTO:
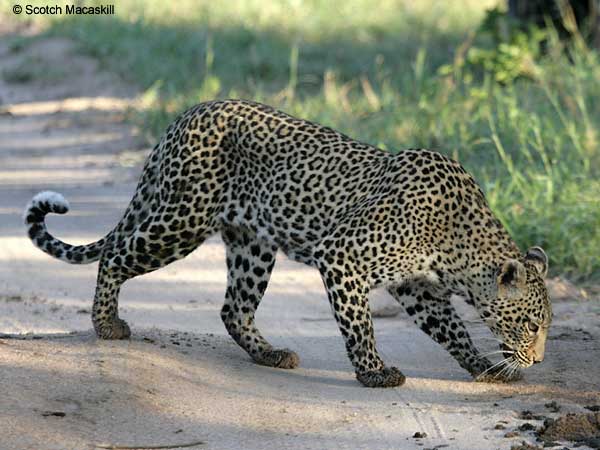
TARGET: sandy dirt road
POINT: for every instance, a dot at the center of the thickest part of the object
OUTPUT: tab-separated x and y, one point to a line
180	379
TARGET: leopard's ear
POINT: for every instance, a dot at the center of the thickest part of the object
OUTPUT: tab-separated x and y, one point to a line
537	256
512	278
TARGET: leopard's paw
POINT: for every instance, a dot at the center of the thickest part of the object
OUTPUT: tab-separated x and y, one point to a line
117	329
386	377
280	358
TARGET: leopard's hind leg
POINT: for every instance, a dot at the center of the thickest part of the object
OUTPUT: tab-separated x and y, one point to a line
170	225
175	208
249	264
149	247
105	318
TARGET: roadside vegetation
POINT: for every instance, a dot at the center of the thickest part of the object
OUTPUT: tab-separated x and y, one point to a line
448	76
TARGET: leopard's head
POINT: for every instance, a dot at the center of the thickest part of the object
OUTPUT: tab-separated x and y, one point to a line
522	312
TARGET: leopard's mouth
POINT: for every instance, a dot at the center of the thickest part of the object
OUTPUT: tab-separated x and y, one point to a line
515	356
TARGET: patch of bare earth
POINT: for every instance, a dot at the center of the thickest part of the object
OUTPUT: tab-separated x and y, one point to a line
581	428
61	117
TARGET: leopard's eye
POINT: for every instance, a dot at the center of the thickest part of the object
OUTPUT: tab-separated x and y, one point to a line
533	327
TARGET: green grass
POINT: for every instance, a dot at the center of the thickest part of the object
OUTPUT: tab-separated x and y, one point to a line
372	70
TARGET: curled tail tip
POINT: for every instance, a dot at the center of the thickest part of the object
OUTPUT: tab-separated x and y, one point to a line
34	218
54	199
44	203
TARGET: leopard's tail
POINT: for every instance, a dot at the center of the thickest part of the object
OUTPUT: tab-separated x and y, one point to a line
34	215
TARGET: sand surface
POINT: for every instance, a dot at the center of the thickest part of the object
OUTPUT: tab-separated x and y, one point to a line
181	379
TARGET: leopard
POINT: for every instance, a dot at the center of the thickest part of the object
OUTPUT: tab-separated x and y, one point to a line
414	222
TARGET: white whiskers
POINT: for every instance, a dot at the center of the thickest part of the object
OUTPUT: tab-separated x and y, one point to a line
493	367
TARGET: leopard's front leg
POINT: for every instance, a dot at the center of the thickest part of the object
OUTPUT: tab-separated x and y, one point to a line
437	317
349	302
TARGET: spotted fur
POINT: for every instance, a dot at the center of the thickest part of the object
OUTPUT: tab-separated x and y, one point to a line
415	222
